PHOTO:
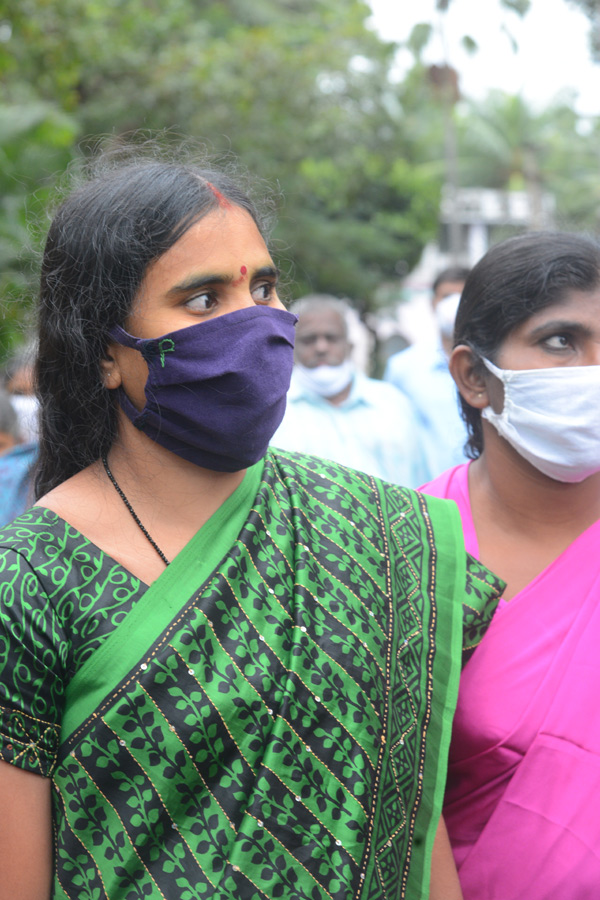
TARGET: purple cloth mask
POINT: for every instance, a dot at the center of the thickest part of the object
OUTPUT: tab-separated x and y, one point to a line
216	391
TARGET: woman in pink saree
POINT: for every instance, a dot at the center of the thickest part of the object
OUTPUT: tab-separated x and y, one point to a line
523	798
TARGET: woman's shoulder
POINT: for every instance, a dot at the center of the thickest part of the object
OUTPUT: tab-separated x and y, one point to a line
41	543
449	484
318	472
34	523
37	543
357	495
292	463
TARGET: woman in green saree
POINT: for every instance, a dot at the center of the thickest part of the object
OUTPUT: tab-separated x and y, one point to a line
226	672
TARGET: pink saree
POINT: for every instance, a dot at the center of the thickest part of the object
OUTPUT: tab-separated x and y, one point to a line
523	797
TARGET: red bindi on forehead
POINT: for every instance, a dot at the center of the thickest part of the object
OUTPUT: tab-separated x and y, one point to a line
243	272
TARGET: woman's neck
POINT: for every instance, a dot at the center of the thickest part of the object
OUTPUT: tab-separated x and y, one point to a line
524	520
523	498
172	498
172	486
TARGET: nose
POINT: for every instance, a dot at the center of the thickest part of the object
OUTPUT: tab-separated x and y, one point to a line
244	300
322	345
240	294
592	354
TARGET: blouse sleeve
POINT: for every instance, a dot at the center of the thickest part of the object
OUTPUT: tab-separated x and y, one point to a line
483	590
33	650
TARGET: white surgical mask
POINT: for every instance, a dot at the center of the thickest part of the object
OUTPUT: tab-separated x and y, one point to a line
26	407
326	381
552	418
445	314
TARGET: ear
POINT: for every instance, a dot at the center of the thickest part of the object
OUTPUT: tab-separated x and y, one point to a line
466	370
111	374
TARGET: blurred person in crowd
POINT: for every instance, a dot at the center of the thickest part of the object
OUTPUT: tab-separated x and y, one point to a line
421	373
10	432
16	462
18	435
524	774
337	412
19	382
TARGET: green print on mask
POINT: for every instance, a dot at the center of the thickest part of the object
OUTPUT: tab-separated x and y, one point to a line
167	345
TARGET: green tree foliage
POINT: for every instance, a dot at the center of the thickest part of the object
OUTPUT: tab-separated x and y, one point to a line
592	10
35	141
505	143
297	89
521	7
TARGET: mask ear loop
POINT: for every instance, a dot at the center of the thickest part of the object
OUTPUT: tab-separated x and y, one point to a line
148	349
120	336
488	412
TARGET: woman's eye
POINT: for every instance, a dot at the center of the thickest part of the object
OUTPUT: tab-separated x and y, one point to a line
263	293
201	302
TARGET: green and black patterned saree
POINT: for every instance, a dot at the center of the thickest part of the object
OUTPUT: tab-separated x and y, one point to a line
271	718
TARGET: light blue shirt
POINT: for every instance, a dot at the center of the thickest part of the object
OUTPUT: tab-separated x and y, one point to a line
16	490
421	373
373	430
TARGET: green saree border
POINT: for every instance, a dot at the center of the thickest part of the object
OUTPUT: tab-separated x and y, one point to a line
448	594
165	597
443	576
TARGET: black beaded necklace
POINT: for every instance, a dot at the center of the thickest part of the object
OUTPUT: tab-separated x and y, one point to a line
116	486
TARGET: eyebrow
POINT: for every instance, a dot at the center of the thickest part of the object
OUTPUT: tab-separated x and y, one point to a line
195	282
331	336
560	325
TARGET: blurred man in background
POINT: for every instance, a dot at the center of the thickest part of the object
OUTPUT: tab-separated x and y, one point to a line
18	412
421	373
336	412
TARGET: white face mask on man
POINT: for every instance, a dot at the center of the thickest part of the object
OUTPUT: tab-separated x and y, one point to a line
326	381
26	407
552	418
445	314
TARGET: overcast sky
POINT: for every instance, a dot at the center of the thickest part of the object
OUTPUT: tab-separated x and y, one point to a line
552	47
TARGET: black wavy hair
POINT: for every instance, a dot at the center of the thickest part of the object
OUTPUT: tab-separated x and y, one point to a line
514	280
131	210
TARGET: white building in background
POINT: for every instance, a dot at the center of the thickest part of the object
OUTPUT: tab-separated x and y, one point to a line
481	217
